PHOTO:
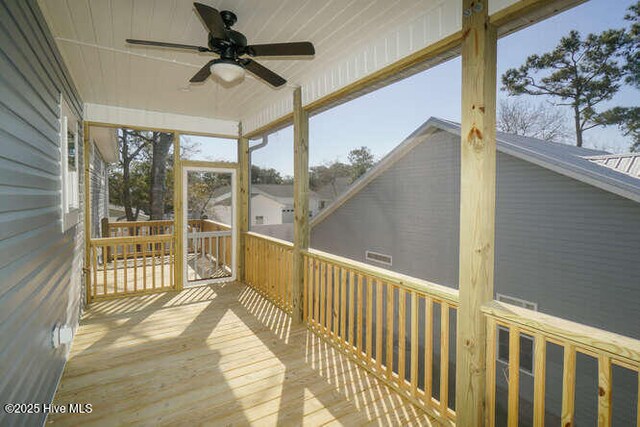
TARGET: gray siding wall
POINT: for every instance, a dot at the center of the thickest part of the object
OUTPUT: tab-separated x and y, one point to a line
409	212
40	266
98	173
568	246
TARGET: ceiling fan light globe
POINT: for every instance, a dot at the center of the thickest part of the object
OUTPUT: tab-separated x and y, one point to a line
228	72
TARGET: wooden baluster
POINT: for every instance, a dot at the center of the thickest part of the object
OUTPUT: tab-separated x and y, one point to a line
305	289
638	406
359	315
514	375
172	278
316	298
604	391
106	249
379	321
540	364
161	249
323	293
402	323
94	251
444	357
369	318
343	305
336	301
153	266
144	265
491	373
352	311
414	343
329	278
428	349
390	306
115	269
135	267
568	385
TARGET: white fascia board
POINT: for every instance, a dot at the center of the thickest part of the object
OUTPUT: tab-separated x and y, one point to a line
120	116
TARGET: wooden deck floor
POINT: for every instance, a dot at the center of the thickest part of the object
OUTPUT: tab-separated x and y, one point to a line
219	355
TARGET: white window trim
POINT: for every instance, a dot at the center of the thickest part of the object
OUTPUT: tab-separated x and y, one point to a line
70	203
366	257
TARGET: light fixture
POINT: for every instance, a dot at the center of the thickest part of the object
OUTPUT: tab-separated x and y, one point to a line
227	70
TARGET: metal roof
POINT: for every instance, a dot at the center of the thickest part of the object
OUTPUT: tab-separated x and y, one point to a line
628	163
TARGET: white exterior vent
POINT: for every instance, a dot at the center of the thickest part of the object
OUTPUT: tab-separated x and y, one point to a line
379	258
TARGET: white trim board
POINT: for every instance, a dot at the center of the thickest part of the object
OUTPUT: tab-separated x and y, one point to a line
185	221
120	116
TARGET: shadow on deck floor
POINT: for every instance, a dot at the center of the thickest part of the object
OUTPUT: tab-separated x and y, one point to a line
221	355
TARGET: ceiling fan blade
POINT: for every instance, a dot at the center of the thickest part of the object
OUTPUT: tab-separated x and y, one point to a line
282	49
203	74
212	20
172	45
262	72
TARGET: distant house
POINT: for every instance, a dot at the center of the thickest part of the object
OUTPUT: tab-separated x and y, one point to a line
270	204
567	230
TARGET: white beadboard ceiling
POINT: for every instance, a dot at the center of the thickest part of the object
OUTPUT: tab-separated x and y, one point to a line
353	38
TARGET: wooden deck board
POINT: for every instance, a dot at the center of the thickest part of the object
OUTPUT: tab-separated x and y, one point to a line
218	355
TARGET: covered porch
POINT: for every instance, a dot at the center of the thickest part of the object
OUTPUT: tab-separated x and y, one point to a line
299	336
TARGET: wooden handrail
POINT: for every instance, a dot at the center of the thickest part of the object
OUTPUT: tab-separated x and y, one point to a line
440	292
156	238
271	239
555	329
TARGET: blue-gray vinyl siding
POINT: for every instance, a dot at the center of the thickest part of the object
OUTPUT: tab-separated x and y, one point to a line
98	173
569	247
40	266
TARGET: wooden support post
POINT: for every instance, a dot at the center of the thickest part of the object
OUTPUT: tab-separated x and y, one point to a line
86	157
477	208
242	214
300	200
178	231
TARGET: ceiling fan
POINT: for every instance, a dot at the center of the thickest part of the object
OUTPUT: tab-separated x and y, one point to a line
232	48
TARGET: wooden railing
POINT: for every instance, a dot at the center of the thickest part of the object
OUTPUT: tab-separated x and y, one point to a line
225	246
394	325
268	268
607	348
136	228
143	264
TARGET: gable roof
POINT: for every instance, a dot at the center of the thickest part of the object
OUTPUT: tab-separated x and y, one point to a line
564	159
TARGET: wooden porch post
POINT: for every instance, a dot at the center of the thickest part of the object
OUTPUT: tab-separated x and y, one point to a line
177	213
300	200
242	214
477	208
86	153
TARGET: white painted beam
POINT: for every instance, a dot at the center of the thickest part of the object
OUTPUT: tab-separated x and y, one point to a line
120	116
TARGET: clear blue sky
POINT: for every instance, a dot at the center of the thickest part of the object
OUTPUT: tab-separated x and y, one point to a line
382	119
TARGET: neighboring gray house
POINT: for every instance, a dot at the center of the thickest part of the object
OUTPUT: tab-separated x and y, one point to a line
104	151
567	230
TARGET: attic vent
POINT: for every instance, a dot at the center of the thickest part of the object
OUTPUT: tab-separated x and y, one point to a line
517	301
380	258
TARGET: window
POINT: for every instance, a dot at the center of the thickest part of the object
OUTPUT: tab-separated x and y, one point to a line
259	219
377	257
526	341
69	168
